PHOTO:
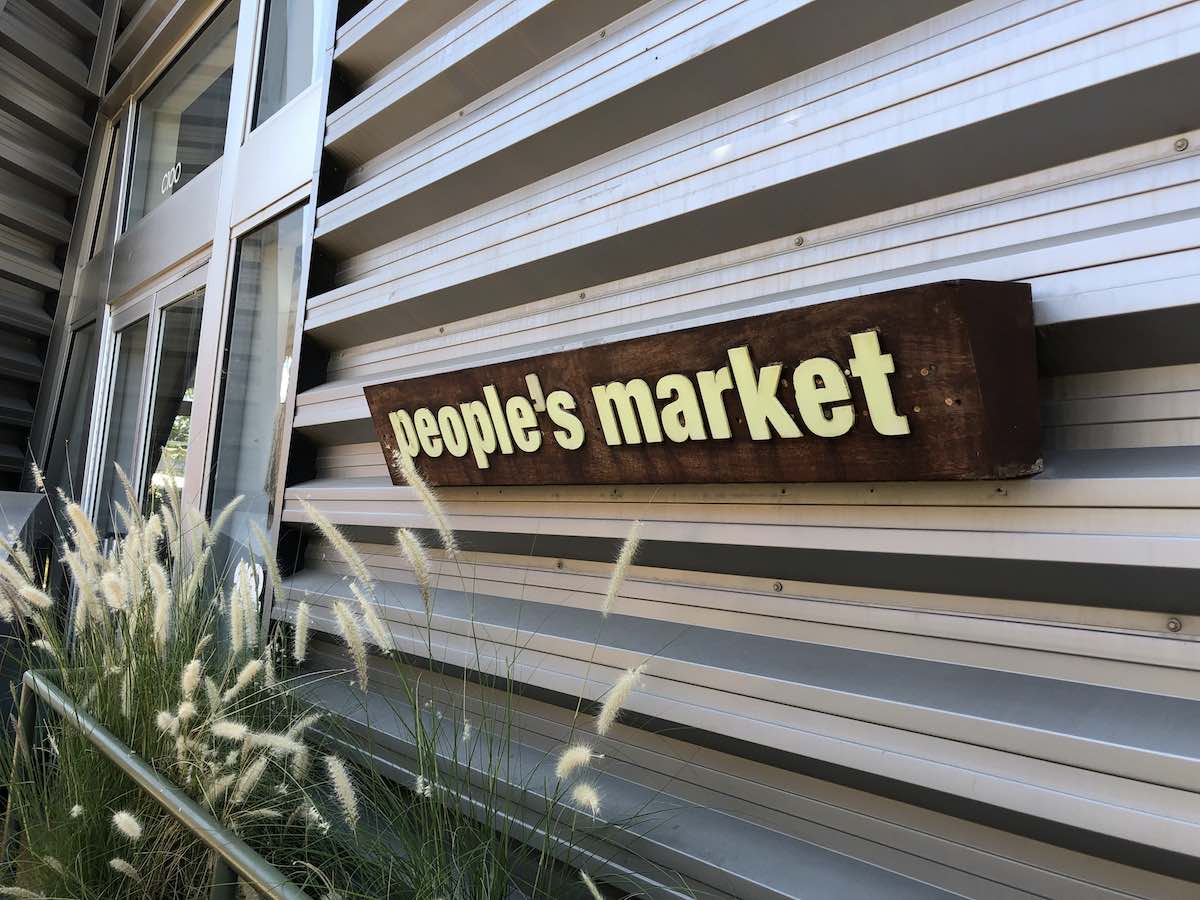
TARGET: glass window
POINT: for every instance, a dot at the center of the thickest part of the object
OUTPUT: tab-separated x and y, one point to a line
181	120
258	363
170	425
288	53
121	444
112	166
68	444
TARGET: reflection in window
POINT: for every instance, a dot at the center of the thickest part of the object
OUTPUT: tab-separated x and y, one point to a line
68	445
181	120
121	445
170	426
288	53
257	373
112	166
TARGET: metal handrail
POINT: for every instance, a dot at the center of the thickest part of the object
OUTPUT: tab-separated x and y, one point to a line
230	853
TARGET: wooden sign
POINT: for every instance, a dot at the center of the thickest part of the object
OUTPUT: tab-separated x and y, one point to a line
931	382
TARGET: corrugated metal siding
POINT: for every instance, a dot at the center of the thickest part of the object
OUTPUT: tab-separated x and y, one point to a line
899	689
47	101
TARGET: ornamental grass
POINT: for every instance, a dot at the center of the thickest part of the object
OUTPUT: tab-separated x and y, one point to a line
169	651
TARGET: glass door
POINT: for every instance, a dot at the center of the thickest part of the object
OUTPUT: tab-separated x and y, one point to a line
169	426
155	345
120	444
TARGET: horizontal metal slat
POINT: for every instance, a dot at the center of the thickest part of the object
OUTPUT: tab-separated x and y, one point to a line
492	44
45	53
384	29
500	260
1107	804
376	502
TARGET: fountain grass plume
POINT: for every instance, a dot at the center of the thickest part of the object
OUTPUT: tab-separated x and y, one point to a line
414	551
429	500
122	865
247	674
352	633
583	794
344	548
270	561
127	823
629	548
590	885
343	787
572	758
189	680
249	779
164	601
381	635
300	636
615	699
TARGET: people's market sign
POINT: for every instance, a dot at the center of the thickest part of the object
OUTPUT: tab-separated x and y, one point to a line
925	383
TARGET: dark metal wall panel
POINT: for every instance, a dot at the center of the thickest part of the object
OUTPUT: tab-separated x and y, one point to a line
47	105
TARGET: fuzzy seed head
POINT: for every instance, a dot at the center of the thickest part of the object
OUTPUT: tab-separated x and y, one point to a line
20	892
36	598
249	780
423	786
381	635
248	673
76	811
229	729
126	823
624	560
590	885
572	758
124	867
164	601
280	743
433	506
112	586
348	626
586	796
338	541
190	678
300	644
414	551
167	723
616	698
343	787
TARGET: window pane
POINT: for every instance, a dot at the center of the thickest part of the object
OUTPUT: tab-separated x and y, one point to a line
112	165
288	54
170	424
257	370
181	120
121	444
68	444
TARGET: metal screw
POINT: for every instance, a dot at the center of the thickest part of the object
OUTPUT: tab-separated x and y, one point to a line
603	32
1174	625
925	370
799	242
582	295
558	564
777	586
949	401
916	409
1181	144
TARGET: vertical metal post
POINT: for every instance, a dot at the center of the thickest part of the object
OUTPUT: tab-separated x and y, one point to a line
224	879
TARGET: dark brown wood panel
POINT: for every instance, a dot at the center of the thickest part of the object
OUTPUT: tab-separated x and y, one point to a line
965	381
